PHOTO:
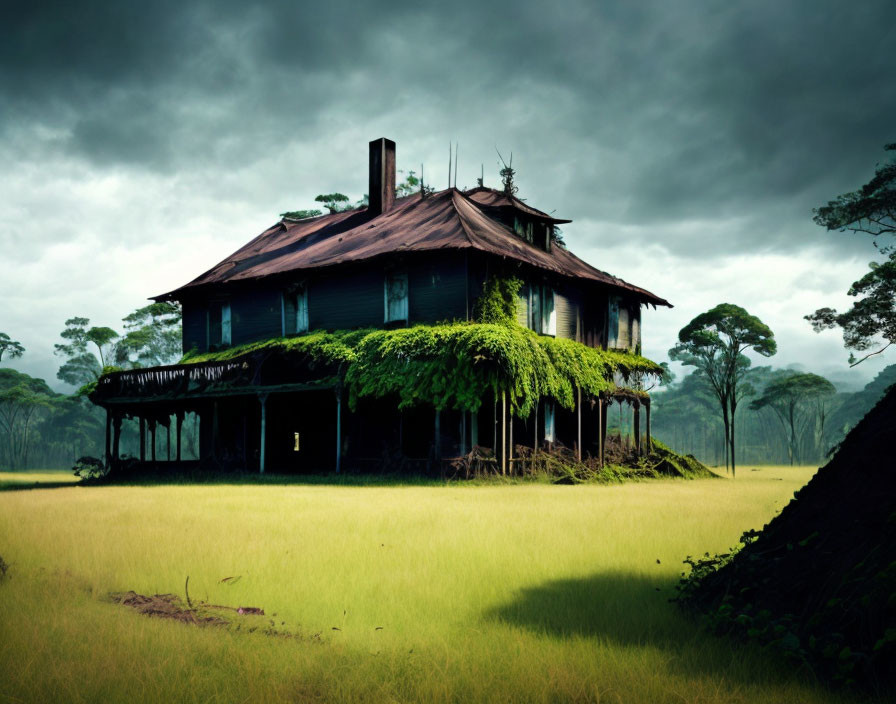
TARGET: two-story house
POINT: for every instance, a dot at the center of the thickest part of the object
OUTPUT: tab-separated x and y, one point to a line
420	259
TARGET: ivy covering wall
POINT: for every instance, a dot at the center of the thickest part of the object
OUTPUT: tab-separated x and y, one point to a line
453	365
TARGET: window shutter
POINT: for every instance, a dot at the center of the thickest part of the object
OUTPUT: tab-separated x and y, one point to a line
226	336
396	295
548	314
302	310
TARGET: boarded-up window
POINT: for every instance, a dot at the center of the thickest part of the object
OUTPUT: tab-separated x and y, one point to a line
613	322
295	310
396	297
219	325
623	339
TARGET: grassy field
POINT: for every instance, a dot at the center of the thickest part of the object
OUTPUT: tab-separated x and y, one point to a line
439	593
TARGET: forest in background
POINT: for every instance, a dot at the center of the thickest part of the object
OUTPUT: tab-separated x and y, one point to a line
686	417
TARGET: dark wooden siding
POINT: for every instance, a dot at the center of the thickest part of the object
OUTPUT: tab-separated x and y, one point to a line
437	289
352	300
194	326
255	315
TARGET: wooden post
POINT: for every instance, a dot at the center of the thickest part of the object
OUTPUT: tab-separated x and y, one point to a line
600	430
142	439
215	429
168	438
116	438
579	421
264	421
636	411
503	432
510	442
649	441
463	433
180	424
152	435
338	431
108	438
437	439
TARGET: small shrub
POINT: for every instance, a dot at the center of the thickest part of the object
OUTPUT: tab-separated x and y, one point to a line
89	468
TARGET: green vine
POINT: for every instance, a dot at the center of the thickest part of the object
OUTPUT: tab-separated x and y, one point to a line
454	365
497	303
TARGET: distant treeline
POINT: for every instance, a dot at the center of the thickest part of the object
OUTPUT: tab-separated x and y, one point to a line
800	430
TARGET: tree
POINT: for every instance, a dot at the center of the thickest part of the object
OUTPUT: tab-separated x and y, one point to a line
714	343
301	214
797	399
81	365
871	321
152	337
11	348
334	202
871	209
21	398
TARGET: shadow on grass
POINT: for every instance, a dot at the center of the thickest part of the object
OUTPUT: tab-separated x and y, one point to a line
30	486
633	610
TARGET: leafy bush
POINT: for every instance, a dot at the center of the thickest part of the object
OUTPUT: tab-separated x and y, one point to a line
89	468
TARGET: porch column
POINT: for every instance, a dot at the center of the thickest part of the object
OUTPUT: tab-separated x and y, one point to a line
636	410
168	439
437	439
510	442
338	431
142	439
108	438
152	435
180	424
579	423
264	422
463	433
116	438
600	430
649	442
503	432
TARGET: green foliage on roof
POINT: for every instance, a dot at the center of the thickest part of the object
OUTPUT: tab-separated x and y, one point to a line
452	365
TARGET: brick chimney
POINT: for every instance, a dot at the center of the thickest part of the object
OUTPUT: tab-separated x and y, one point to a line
381	193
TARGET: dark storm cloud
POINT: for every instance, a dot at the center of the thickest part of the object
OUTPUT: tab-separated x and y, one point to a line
665	111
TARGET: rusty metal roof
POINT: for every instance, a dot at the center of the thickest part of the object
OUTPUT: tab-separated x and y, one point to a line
446	220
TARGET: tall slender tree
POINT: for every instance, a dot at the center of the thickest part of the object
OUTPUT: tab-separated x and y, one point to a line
10	348
714	342
797	400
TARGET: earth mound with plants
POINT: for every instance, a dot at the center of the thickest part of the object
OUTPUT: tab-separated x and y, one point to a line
819	581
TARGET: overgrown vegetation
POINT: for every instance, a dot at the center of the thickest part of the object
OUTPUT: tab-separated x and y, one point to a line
451	365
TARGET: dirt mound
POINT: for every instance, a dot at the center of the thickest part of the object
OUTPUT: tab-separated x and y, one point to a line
819	581
170	606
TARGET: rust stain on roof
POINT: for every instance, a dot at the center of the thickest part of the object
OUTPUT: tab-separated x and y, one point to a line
449	219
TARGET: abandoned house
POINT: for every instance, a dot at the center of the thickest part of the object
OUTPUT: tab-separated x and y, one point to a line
315	346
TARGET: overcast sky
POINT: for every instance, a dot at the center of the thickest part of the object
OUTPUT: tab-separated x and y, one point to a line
141	143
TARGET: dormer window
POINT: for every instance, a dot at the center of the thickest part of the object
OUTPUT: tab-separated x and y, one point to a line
396	297
535	232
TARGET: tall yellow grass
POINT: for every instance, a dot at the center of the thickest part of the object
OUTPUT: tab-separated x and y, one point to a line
457	593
